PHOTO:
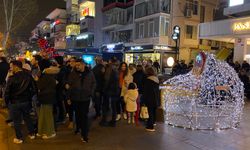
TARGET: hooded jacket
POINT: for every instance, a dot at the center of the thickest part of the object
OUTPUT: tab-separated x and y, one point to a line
130	99
47	86
151	92
82	85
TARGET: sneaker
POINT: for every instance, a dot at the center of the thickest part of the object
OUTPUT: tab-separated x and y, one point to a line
71	125
125	116
17	141
112	123
38	135
11	124
150	130
118	117
154	124
133	120
45	137
32	137
85	140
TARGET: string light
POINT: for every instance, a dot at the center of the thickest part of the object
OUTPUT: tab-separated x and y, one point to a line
211	96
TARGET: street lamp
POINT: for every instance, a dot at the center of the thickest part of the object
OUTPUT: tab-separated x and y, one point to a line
176	37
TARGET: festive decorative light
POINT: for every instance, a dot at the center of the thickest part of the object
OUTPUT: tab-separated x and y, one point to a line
170	61
211	96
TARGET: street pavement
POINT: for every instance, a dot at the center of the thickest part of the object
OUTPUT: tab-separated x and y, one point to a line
132	137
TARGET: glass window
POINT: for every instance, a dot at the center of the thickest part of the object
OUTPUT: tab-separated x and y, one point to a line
202	14
151	29
141	30
141	10
165	6
166	28
164	25
130	15
191	32
195	7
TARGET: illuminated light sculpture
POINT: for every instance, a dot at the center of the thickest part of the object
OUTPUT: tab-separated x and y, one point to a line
211	96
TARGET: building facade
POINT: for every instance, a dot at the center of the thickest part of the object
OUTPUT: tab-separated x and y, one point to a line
236	29
52	28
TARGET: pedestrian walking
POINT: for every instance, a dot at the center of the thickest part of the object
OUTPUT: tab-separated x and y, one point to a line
19	91
111	92
82	88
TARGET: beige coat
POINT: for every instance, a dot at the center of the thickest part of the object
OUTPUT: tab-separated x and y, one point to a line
127	80
130	100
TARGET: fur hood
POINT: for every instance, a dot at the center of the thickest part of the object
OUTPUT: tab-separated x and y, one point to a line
52	70
154	78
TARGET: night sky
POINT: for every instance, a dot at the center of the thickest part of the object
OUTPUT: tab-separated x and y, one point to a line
44	8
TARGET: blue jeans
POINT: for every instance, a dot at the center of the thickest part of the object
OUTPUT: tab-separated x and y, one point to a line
19	112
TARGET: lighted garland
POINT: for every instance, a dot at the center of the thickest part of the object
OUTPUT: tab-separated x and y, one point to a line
211	96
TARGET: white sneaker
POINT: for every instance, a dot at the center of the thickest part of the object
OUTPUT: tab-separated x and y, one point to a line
118	117
32	137
38	135
17	141
150	130
45	137
125	116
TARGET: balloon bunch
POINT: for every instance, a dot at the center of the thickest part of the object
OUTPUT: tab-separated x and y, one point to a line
45	47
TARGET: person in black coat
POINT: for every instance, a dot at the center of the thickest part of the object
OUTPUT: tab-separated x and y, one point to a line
139	76
111	91
47	98
4	68
98	71
151	96
82	86
20	89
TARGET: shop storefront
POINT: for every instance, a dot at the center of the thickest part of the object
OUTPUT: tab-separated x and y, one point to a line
235	31
87	54
113	50
143	54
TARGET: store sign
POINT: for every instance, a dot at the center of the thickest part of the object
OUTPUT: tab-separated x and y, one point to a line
162	48
87	8
72	29
136	48
55	23
241	26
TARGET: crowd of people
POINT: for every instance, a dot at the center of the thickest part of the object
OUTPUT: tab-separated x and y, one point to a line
54	89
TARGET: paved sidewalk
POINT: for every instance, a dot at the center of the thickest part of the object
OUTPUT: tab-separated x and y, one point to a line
131	137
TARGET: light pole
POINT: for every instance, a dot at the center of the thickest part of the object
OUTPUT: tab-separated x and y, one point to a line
176	37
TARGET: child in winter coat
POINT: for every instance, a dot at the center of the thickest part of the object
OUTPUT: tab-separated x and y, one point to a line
130	100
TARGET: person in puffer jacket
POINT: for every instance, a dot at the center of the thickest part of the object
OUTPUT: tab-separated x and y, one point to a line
130	100
47	98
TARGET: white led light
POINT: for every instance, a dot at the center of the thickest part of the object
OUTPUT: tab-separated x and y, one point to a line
235	2
205	98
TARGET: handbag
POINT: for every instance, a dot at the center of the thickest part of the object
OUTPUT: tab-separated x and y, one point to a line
144	113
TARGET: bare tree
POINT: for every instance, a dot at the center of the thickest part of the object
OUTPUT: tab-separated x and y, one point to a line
16	13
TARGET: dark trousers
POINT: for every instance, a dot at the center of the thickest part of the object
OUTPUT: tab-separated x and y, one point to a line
98	102
18	112
60	110
70	110
152	117
120	105
82	110
105	107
